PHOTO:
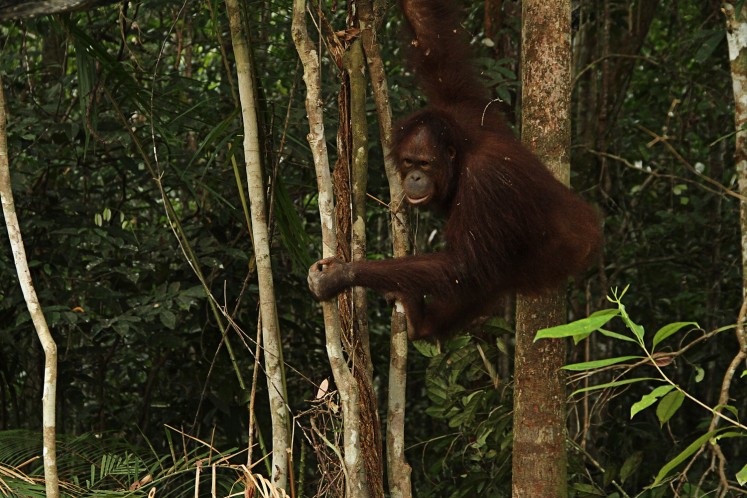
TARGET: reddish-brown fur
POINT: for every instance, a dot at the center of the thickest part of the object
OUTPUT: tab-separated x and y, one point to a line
511	226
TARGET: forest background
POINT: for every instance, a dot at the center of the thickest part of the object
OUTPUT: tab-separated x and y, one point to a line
125	143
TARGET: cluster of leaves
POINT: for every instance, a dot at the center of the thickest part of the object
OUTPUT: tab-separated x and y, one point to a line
473	454
663	391
138	342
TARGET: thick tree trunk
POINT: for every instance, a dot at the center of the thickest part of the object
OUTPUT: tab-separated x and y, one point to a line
539	458
273	351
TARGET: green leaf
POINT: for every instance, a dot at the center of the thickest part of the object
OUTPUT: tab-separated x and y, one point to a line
730	434
458	343
638	330
427	349
589	365
669	405
649	399
168	319
197	291
630	465
579	327
615	335
731	408
616	383
684	455
699	373
587	489
742	476
668	330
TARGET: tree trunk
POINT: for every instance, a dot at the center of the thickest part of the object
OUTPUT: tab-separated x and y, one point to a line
398	470
350	177
273	352
736	27
49	395
539	458
356	485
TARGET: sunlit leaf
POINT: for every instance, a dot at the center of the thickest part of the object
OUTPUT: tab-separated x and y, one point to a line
589	365
579	327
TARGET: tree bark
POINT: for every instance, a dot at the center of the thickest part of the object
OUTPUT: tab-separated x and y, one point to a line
273	352
539	458
736	36
349	180
371	425
356	485
398	470
49	394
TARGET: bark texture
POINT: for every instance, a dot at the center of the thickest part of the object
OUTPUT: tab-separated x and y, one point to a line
273	352
539	457
356	485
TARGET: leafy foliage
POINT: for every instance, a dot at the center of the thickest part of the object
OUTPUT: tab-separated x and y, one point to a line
668	396
116	114
474	454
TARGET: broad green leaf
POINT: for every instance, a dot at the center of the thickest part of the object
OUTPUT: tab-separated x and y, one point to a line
579	327
427	349
670	329
684	455
742	476
589	365
649	399
612	384
669	405
458	342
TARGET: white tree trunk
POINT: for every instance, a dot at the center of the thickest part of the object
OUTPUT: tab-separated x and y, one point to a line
49	395
273	352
